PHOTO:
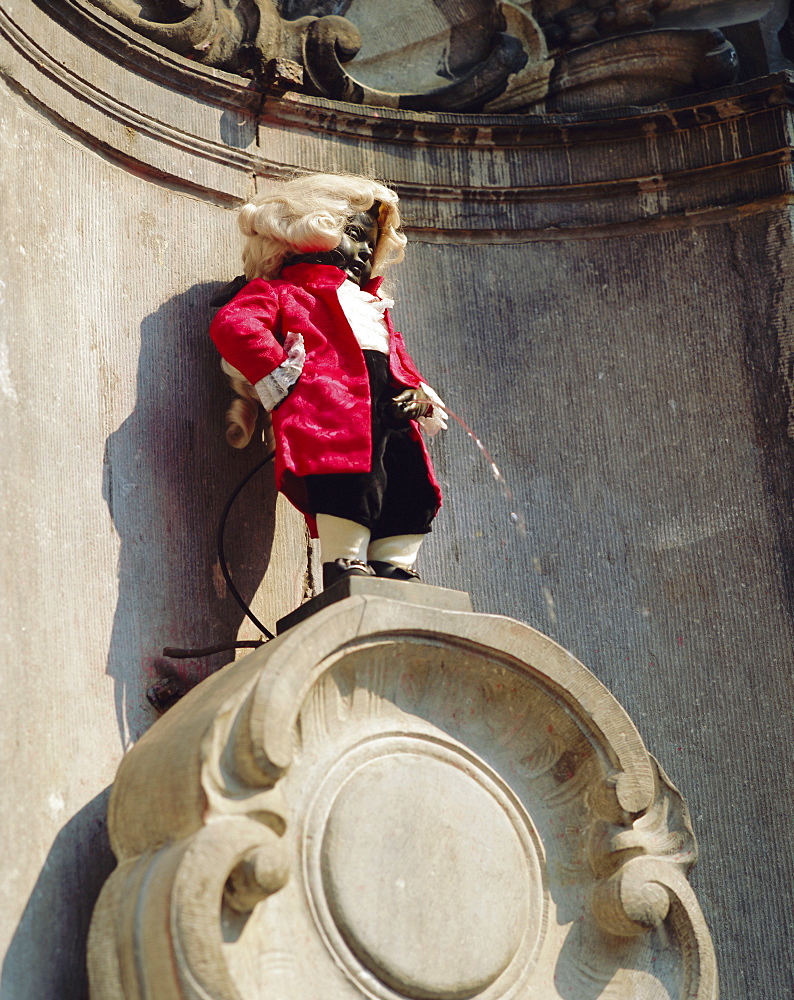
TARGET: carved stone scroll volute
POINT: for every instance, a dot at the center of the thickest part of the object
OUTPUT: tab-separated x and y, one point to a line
394	801
312	53
514	72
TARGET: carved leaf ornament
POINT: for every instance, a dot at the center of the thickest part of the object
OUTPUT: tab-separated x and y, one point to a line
392	801
493	56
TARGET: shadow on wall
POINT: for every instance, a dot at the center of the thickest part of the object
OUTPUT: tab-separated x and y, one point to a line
47	955
167	474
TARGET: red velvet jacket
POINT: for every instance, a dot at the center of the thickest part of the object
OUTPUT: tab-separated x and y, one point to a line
324	424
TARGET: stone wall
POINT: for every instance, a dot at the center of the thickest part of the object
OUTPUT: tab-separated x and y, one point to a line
631	391
116	471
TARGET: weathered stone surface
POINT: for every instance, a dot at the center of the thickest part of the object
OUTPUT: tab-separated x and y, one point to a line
392	800
653	461
114	474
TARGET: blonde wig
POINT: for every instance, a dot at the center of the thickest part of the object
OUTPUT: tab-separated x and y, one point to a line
309	214
243	411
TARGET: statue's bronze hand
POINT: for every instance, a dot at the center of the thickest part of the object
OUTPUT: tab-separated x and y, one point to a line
411	404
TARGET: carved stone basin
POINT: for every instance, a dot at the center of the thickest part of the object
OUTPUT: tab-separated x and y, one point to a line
418	44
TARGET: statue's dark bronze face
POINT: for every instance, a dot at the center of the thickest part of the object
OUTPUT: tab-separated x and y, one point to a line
357	245
354	253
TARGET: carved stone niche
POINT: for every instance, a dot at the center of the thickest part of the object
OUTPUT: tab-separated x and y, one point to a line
393	801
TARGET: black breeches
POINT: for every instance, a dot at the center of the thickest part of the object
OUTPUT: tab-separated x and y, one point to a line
396	496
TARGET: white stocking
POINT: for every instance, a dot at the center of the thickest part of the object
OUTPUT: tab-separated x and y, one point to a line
399	550
341	539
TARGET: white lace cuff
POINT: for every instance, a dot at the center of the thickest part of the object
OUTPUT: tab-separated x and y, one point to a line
275	387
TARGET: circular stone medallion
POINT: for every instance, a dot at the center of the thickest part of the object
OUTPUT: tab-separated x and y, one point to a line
426	872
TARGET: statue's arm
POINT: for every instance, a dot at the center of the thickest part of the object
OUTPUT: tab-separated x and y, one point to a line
247	331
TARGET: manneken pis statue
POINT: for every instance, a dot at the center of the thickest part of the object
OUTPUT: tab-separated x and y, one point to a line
309	337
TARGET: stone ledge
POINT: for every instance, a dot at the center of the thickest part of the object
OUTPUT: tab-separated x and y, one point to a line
417	594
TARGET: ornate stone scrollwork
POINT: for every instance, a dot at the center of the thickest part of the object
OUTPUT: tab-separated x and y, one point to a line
571	24
489	56
241	36
513	73
393	801
312	53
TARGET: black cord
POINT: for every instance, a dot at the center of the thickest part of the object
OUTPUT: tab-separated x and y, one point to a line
177	653
222	556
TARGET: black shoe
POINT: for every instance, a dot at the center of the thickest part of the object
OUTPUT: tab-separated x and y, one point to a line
389	571
337	570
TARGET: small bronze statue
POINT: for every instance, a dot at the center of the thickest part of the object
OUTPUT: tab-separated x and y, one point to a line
310	339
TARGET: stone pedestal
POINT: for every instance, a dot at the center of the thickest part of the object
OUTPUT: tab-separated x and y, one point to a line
399	800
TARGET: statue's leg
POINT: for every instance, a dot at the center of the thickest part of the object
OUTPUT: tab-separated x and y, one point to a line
343	548
395	556
407	510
